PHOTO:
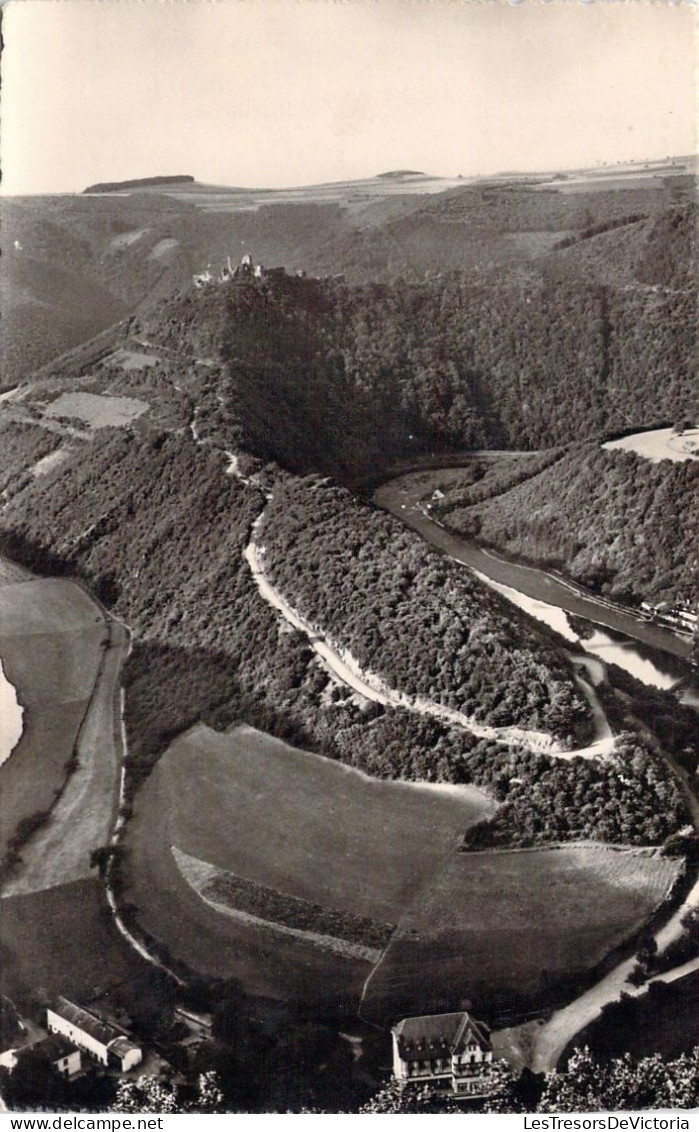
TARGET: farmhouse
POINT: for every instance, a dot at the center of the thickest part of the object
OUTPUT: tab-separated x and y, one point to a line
103	1041
55	1049
447	1050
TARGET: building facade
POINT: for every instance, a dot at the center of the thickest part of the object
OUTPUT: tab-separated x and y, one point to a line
448	1051
90	1033
57	1050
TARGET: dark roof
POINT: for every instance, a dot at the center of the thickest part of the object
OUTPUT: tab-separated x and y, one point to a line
54	1047
435	1035
86	1021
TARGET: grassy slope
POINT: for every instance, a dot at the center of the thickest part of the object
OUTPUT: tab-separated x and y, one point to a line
498	927
322	813
508	929
330	829
51	644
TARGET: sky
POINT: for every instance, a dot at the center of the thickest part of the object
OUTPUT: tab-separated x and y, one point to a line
291	92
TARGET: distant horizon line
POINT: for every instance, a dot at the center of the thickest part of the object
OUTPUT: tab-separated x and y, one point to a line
541	172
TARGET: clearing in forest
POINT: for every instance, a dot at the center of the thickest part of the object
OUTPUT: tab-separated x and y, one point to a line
660	444
97	410
318	847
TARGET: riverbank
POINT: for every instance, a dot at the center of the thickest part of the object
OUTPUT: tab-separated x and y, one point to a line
404	498
52	638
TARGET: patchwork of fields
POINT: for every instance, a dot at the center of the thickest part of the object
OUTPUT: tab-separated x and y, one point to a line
294	838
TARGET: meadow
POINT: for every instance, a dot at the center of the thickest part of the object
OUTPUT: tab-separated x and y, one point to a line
496	928
290	821
506	930
51	641
97	411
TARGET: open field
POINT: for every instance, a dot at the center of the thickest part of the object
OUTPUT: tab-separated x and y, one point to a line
63	941
96	410
303	825
131	359
51	643
504	928
333	828
83	818
499	928
660	444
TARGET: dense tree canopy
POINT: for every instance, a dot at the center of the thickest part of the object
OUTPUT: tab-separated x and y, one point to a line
612	519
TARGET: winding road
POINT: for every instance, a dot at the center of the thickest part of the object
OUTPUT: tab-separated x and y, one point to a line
552	1038
372	687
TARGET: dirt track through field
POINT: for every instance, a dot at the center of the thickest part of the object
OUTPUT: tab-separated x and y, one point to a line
83	816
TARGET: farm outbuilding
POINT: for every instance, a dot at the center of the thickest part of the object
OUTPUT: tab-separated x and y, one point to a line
56	1049
102	1040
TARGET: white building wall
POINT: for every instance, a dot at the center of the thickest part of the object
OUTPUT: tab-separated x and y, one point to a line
132	1058
58	1025
70	1064
400	1067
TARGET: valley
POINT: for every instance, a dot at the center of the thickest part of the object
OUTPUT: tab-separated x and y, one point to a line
343	681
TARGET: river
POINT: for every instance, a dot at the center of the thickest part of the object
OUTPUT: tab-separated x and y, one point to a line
10	718
654	655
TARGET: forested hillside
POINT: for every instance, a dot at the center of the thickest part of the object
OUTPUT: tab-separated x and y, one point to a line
410	615
363	376
613	520
155	527
72	265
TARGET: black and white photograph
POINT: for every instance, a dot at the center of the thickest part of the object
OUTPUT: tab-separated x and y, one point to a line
349	452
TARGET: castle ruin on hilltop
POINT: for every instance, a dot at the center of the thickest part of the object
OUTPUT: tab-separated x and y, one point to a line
243	272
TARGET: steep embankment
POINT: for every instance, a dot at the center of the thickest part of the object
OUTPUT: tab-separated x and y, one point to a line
367	376
618	523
